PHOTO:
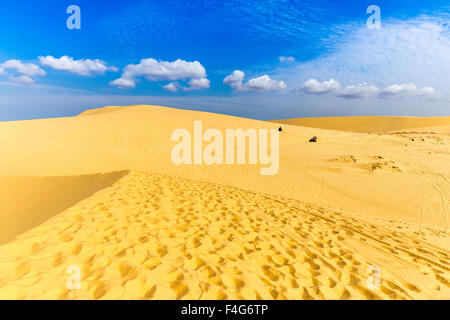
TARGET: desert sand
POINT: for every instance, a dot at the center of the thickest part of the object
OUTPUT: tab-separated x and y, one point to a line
372	124
100	191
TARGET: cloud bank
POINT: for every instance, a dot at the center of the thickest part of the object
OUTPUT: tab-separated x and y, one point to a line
407	58
407	91
364	90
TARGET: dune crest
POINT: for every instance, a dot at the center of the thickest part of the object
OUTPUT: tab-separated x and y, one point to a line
370	124
92	112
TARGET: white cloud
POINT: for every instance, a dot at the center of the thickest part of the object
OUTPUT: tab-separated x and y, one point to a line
198	84
235	80
22	80
154	70
123	83
286	59
313	86
163	70
265	83
82	67
173	86
426	92
194	84
406	91
358	91
28	69
259	84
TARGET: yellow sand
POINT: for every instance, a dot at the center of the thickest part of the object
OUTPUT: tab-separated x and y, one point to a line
369	124
140	227
23	199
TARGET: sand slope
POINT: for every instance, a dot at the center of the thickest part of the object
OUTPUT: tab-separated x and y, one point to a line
369	124
224	232
24	200
155	236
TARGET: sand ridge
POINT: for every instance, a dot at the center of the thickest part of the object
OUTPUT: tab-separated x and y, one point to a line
366	124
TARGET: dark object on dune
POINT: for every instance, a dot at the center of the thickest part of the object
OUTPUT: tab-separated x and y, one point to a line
313	139
280	129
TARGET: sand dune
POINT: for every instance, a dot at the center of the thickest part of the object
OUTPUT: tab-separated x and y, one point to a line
24	203
92	112
370	124
155	236
163	231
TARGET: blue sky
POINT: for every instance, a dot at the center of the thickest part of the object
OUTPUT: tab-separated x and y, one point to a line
259	59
